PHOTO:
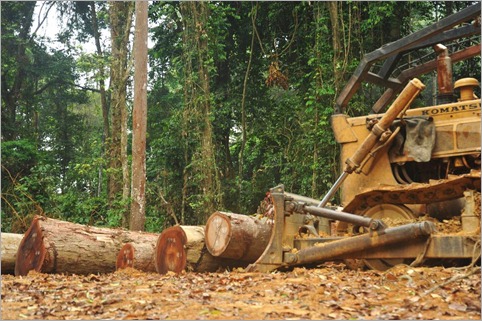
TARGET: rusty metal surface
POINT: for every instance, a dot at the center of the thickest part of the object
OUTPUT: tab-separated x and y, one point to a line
439	247
415	193
349	246
444	71
272	257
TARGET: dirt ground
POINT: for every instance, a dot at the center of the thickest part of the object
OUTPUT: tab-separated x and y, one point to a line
329	291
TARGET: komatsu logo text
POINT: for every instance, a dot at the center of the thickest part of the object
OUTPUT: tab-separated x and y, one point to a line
450	109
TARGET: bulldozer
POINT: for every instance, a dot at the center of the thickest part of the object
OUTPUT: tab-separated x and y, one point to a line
407	169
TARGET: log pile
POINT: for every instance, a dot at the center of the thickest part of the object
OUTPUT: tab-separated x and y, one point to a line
54	246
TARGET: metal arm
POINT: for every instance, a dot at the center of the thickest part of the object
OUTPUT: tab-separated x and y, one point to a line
399	106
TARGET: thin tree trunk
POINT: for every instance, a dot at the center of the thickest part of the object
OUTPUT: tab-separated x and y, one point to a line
103	95
254	12
121	20
336	42
139	122
197	128
211	185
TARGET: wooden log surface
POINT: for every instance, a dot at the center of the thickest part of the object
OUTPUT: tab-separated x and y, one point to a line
9	247
237	236
55	246
138	254
182	248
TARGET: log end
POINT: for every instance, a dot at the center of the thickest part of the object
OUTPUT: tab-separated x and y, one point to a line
170	254
125	258
218	233
31	251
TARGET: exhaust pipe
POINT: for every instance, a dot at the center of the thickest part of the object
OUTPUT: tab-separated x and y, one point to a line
444	75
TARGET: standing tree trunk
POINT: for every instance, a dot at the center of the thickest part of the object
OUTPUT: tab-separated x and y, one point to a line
254	12
341	42
103	95
197	101
139	121
335	31
121	21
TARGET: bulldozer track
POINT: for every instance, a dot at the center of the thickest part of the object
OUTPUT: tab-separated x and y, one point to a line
415	193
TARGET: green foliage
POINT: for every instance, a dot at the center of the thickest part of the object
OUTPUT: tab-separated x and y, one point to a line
53	154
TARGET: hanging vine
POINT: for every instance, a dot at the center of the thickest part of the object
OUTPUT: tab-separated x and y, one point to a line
275	76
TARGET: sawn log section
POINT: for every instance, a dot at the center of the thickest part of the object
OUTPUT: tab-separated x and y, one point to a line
181	248
10	243
236	236
54	246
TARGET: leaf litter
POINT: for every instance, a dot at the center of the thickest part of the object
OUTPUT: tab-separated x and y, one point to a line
329	291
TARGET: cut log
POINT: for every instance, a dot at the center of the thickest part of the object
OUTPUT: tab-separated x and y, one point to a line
55	246
138	254
170	252
9	243
237	236
182	248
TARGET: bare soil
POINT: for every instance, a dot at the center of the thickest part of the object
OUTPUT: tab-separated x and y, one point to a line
329	291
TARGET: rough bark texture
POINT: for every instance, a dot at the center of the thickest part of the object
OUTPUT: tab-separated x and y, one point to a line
9	246
182	248
54	246
120	14
236	236
197	116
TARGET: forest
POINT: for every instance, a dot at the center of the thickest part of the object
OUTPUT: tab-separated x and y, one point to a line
239	100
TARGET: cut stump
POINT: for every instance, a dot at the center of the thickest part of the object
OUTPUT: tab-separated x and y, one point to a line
237	236
9	247
55	246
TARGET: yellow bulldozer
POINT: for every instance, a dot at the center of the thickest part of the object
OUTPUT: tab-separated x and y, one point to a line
406	172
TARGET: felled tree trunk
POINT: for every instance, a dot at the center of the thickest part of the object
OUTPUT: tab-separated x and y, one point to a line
236	236
182	248
10	243
54	246
138	254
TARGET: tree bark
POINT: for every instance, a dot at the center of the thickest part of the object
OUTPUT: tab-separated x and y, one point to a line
55	246
200	160
236	236
182	248
103	94
139	120
9	247
118	181
138	254
337	49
